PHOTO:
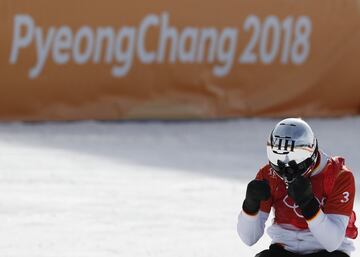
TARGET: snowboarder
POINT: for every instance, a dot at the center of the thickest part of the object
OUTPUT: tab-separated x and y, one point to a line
312	196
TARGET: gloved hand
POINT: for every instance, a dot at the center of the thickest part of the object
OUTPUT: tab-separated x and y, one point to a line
257	191
301	192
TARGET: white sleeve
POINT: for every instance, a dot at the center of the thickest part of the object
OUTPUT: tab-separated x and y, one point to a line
329	229
250	228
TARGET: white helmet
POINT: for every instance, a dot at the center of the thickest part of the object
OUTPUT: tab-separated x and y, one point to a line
292	149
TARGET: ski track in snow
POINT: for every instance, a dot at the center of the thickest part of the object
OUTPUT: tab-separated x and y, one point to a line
134	189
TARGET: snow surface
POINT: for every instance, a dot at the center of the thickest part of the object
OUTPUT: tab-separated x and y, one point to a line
134	189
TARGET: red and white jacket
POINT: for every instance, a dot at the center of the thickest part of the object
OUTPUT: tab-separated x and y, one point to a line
331	229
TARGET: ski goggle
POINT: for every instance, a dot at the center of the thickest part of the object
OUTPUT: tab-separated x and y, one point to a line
291	170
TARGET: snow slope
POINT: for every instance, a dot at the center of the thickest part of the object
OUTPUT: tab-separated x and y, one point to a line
134	189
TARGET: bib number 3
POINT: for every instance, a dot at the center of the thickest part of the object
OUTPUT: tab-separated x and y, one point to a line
345	197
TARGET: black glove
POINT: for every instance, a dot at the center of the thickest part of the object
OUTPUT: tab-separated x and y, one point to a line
257	191
301	192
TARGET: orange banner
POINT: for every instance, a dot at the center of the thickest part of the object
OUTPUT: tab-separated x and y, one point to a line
62	60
